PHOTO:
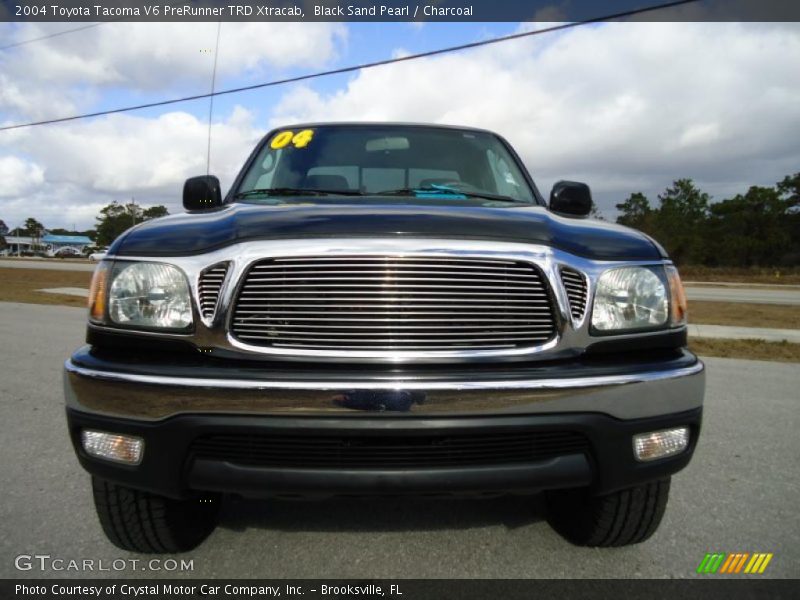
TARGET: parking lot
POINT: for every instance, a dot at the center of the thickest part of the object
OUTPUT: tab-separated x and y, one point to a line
738	495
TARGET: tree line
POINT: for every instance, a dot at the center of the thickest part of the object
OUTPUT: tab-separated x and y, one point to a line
760	228
112	221
116	218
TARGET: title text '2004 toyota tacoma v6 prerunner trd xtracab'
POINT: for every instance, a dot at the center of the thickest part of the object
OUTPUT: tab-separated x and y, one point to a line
383	309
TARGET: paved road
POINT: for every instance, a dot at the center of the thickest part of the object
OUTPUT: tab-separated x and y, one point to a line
789	296
779	286
739	494
745	333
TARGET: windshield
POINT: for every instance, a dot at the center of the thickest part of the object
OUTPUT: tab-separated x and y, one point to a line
426	164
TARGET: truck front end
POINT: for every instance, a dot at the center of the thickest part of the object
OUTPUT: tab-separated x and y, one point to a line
383	309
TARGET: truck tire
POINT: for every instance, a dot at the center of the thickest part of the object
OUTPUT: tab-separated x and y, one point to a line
628	516
143	522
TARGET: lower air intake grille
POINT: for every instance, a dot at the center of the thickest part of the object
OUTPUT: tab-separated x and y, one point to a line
388	451
389	303
208	288
575	285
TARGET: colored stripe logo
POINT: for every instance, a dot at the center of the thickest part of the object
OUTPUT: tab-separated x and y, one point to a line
734	563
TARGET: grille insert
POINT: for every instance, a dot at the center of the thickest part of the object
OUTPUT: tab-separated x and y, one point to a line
388	303
208	288
388	451
575	285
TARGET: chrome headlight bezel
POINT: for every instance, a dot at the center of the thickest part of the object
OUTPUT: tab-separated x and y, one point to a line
177	296
656	273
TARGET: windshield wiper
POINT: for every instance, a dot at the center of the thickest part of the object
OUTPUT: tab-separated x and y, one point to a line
288	191
444	191
427	190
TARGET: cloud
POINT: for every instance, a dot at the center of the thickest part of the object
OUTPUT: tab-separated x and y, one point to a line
623	106
64	173
702	134
91	163
32	100
18	176
147	57
66	206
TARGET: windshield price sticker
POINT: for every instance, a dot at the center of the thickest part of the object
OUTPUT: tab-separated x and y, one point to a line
300	139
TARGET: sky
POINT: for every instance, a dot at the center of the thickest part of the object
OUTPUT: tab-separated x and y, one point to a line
624	107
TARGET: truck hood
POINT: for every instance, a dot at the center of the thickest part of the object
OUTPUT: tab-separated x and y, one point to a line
188	234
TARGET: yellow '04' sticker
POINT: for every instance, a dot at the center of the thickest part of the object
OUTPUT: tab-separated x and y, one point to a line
300	139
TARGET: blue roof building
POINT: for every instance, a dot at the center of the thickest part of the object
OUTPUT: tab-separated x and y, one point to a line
57	245
48	244
66	240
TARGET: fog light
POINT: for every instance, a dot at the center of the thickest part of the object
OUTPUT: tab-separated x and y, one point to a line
125	449
659	444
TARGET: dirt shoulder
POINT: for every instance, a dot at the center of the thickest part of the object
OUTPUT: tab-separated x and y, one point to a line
740	314
20	285
774	276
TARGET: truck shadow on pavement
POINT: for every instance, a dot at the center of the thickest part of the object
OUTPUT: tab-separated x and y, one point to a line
381	514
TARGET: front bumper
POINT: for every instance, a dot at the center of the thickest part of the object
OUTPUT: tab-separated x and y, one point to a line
287	431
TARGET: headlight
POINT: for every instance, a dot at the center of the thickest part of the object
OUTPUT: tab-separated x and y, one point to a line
630	298
149	295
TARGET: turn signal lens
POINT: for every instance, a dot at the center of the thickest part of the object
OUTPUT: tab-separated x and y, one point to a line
679	307
98	292
660	444
126	449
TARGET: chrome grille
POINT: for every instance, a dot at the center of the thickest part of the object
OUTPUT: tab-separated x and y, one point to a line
575	285
208	288
390	303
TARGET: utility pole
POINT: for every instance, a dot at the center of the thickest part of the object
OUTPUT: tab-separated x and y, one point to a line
133	209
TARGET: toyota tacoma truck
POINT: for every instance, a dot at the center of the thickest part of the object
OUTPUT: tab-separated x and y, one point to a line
381	309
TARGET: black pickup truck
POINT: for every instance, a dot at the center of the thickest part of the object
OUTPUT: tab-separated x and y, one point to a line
383	309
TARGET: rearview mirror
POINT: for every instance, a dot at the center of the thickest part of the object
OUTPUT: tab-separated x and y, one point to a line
386	144
201	193
571	198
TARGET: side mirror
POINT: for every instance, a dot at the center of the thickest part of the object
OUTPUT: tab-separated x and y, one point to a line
201	193
571	198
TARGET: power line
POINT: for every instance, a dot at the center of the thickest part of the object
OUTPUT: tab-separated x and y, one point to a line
50	36
359	67
67	31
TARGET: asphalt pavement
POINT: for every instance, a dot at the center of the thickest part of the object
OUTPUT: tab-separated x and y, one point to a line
725	332
757	295
739	494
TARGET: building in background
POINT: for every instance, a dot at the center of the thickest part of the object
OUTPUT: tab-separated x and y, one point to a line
56	244
17	244
49	245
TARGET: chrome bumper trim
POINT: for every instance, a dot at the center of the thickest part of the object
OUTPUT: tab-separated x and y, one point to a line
150	397
388	384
